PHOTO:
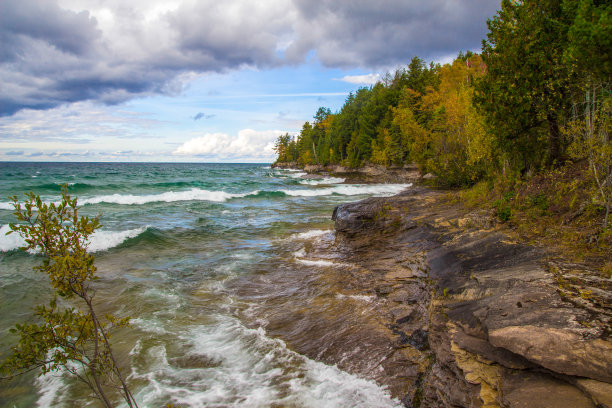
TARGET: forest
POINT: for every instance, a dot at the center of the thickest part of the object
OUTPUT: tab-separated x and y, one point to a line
537	98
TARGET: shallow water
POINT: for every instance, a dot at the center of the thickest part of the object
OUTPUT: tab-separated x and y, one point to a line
210	261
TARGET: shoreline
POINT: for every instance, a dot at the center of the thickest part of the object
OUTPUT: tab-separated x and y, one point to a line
464	315
368	174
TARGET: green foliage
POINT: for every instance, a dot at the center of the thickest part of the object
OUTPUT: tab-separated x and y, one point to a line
524	94
65	337
540	95
504	206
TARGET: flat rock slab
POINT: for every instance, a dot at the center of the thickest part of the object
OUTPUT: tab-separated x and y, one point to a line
558	350
527	390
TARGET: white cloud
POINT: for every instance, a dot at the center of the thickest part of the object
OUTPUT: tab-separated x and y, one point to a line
369	79
248	144
57	52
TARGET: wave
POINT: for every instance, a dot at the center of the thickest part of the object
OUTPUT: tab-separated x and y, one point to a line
266	194
51	388
295	174
326	180
243	367
58	186
195	194
349	190
99	241
10	242
104	240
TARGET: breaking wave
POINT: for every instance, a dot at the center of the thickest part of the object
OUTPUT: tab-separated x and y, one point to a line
99	241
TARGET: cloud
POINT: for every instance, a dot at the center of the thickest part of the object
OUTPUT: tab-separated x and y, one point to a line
369	79
248	144
61	125
201	115
111	51
350	33
14	153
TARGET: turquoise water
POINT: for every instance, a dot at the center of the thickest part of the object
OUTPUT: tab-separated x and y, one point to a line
190	252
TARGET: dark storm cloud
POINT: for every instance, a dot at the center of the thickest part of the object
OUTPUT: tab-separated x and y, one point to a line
348	33
51	56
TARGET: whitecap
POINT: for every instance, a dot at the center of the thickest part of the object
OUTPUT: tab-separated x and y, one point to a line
349	190
10	242
326	180
149	325
7	206
103	240
51	387
194	194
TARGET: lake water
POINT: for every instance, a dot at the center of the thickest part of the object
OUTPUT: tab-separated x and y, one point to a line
200	257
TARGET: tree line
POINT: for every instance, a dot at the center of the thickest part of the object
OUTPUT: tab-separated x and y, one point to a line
540	94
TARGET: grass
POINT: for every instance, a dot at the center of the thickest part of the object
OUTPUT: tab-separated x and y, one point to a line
558	209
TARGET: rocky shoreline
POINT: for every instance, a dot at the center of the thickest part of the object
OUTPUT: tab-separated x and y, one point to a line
360	175
463	316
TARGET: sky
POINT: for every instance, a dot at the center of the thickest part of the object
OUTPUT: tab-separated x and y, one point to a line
202	80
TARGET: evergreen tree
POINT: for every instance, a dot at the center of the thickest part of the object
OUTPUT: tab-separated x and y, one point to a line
524	94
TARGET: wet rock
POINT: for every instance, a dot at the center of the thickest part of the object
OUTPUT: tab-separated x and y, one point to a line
419	339
486	312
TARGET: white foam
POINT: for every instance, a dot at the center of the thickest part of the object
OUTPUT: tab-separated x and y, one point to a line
103	240
362	298
10	242
350	190
300	254
299	174
326	180
7	206
246	368
51	387
323	263
148	325
194	194
310	234
99	241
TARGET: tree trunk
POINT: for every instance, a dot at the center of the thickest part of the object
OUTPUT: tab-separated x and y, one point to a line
554	140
